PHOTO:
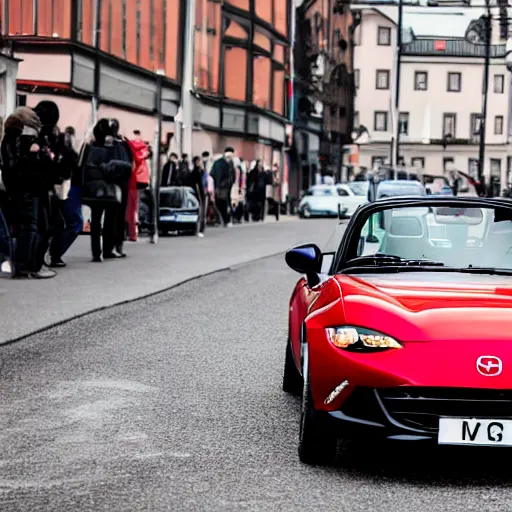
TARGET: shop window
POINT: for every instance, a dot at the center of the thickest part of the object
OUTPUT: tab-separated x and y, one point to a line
261	83
235	65
262	41
281	16
279	88
279	53
235	30
241	4
264	9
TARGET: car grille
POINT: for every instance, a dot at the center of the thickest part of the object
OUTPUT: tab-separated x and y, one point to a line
421	407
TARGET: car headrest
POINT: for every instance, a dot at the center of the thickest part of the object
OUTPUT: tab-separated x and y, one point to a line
406	226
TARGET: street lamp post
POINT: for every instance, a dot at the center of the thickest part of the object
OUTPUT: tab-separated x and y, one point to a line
395	141
483	120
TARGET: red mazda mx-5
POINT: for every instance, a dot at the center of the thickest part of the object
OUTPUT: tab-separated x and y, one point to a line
405	332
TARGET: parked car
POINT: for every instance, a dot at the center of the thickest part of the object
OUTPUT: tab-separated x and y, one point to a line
179	210
394	188
322	201
351	199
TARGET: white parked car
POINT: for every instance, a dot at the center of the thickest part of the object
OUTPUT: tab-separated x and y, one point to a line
329	200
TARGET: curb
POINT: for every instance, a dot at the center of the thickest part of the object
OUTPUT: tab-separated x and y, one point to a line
230	268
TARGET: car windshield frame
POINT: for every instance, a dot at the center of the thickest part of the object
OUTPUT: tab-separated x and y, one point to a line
349	243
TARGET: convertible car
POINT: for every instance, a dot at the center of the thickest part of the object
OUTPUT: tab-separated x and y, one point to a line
405	332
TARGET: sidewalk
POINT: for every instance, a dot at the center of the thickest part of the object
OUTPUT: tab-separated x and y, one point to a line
30	305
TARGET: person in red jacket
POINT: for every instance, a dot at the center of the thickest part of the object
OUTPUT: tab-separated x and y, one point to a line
139	181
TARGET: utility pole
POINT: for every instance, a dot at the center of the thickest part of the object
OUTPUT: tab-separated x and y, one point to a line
187	82
483	119
395	113
96	30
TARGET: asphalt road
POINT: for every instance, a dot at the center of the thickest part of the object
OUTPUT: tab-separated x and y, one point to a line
174	403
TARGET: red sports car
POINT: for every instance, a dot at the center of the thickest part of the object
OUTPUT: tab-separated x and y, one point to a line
405	332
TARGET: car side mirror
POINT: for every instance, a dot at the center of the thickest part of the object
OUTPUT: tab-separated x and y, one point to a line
306	259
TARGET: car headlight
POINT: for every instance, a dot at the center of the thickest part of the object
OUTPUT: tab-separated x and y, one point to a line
357	338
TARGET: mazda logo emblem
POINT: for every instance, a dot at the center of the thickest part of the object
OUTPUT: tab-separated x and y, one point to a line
489	366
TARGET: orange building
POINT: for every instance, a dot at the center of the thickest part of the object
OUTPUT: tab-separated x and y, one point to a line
242	49
71	54
56	41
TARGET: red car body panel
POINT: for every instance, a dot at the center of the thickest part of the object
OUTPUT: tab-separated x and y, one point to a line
445	322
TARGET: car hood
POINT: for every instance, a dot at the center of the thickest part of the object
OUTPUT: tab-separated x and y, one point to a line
430	306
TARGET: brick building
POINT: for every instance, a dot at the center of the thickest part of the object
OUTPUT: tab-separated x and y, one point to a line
70	54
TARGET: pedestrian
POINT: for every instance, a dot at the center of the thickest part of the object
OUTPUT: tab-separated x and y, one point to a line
182	175
256	190
196	182
70	207
30	171
106	169
121	150
169	170
59	163
139	181
223	174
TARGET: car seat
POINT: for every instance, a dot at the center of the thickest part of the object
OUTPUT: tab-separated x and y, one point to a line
405	237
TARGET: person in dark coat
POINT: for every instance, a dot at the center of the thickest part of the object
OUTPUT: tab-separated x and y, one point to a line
70	208
107	168
31	168
257	181
196	182
223	174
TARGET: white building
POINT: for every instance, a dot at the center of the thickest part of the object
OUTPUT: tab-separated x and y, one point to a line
440	92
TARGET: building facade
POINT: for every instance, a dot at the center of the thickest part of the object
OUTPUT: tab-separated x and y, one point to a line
242	52
324	89
440	100
110	63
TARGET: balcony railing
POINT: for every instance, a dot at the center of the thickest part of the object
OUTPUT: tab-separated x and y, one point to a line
451	48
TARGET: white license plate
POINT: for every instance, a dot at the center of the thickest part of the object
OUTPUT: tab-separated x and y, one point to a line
168	218
187	218
475	432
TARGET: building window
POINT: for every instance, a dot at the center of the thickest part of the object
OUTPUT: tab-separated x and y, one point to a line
448	162
357	35
474	127
449	125
473	167
418	162
138	29
356	119
382	79
499	84
496	167
356	78
378	160
380	122
498	125
79	20
123	13
454	82
384	36
420	81
403	123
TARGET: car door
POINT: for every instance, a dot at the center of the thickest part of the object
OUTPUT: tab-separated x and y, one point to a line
300	302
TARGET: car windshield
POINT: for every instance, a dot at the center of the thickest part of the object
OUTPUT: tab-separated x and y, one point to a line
320	191
360	188
463	238
171	198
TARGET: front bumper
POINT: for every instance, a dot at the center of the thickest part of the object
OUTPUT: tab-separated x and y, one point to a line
412	413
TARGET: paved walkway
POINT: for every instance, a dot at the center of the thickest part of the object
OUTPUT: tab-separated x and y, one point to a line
27	306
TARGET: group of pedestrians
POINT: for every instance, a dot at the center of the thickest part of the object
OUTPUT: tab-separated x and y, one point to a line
229	188
44	182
